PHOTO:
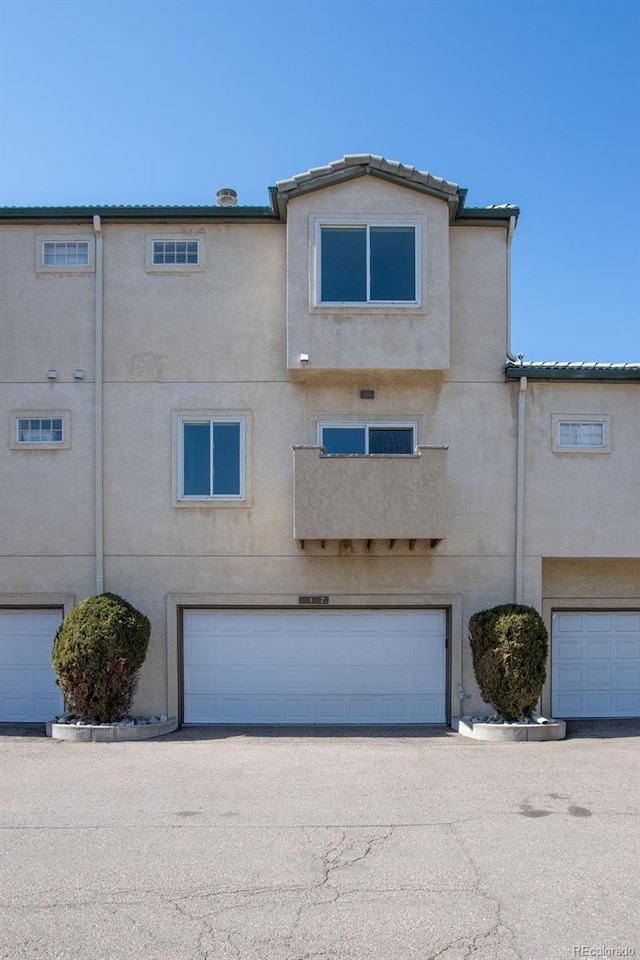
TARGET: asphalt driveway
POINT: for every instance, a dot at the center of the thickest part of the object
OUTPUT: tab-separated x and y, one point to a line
214	844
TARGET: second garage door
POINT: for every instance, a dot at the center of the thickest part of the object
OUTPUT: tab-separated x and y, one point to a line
313	666
596	664
28	689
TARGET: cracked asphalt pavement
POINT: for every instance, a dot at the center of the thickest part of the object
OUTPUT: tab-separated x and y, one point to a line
255	844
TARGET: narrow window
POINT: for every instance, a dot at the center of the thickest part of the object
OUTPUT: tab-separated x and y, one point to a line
368	439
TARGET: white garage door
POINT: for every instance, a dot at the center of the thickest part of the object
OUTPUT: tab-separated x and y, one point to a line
596	664
314	666
28	689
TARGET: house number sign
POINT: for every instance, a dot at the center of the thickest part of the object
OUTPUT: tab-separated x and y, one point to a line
317	601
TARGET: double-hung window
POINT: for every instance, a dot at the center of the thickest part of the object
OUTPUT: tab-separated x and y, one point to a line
367	439
368	263
211	458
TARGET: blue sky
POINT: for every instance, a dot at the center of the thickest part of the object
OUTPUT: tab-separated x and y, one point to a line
533	102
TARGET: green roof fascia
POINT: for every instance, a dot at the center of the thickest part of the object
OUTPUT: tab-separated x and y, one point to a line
629	373
487	213
135	213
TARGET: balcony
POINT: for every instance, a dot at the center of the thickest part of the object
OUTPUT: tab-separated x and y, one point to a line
368	502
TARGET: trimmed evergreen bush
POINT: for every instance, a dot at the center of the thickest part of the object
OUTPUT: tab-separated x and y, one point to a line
97	652
509	644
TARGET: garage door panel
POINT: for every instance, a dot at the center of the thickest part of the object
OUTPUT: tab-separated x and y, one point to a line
28	689
596	664
314	666
624	676
624	649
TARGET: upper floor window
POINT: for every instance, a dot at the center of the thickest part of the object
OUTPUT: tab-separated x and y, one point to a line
368	263
211	455
367	438
176	252
576	434
65	253
40	429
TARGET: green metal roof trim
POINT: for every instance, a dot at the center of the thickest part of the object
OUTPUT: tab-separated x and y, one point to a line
580	371
318	178
488	213
159	213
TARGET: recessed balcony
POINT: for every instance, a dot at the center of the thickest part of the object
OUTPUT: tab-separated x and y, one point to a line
364	500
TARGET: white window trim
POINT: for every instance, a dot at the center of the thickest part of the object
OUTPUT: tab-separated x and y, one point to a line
151	267
384	424
180	417
41	239
63	415
558	418
366	222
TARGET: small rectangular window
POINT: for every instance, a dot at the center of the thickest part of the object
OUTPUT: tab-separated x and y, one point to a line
176	252
38	429
65	253
211	459
582	434
368	263
576	434
367	439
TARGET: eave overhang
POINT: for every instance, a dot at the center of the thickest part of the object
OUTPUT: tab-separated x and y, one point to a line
137	214
348	168
571	372
353	166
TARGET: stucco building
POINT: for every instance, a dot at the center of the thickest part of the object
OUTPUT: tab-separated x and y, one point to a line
295	437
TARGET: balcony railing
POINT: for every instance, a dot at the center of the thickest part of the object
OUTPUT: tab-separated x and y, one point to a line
368	498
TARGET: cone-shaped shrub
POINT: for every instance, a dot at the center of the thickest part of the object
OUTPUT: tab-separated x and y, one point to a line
509	645
97	652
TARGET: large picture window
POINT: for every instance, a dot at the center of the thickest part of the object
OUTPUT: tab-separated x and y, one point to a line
211	458
368	263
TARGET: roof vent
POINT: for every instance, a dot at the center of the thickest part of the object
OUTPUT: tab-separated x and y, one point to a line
227	197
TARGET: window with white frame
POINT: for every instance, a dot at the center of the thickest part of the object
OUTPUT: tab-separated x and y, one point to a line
581	434
65	253
367	263
175	252
211	458
39	429
367	438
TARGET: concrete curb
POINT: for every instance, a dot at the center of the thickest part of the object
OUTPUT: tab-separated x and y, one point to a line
510	732
106	734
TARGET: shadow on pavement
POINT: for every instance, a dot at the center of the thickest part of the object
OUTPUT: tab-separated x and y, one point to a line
576	730
603	729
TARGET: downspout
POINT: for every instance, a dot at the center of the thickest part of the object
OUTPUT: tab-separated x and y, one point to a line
510	231
519	573
97	410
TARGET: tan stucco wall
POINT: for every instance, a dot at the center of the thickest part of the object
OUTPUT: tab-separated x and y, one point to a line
348	338
215	340
583	504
